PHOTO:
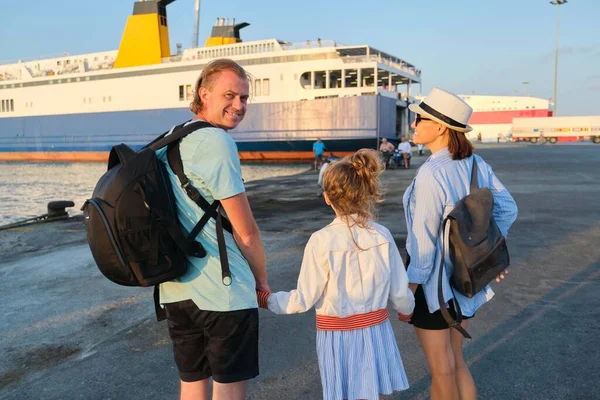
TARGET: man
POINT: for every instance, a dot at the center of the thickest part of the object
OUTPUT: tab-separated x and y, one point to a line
386	146
405	151
386	149
318	149
214	327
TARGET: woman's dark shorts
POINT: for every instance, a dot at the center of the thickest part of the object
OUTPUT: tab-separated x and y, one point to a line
422	318
223	345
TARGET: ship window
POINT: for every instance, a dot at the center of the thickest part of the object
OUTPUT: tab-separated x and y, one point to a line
2	105
189	93
257	87
84	100
109	99
280	77
12	105
266	87
305	80
319	80
350	78
335	79
181	93
368	77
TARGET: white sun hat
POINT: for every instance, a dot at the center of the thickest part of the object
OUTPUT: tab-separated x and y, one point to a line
445	108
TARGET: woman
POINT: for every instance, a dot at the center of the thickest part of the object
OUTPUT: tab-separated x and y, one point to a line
441	182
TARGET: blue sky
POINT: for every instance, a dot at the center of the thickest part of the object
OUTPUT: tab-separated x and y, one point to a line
466	46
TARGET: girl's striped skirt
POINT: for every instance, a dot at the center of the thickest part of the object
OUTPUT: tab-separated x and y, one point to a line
360	363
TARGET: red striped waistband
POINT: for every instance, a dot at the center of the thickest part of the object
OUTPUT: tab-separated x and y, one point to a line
356	321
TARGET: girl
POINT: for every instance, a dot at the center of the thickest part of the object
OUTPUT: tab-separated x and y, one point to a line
349	271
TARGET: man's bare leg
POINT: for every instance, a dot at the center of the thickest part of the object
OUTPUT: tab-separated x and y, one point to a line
194	390
230	391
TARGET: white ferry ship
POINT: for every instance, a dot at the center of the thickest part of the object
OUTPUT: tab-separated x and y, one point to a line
75	107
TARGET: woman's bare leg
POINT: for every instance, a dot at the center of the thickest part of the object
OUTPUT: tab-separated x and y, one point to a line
438	351
464	379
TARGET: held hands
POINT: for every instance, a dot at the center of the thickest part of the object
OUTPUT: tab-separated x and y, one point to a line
501	276
404	318
262	293
262	286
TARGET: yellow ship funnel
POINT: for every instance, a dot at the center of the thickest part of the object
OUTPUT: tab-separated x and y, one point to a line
224	32
145	40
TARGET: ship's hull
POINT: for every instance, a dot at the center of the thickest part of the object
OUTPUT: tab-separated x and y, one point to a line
344	124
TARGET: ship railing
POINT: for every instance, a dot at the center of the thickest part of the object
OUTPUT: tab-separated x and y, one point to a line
309	44
171	59
383	60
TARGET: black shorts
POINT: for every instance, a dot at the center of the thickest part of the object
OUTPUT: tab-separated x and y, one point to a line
422	318
223	345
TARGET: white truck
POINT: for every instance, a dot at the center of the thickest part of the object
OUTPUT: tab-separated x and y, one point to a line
556	129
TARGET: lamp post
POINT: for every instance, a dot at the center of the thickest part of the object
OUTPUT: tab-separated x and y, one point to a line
556	3
525	91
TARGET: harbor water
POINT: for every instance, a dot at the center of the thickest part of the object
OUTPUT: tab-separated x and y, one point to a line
26	188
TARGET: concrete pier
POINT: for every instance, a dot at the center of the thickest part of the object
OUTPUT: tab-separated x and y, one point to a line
68	333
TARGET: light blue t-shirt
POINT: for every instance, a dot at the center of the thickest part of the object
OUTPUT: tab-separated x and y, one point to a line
211	163
318	148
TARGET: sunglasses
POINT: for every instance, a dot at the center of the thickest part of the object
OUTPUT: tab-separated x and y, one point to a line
419	119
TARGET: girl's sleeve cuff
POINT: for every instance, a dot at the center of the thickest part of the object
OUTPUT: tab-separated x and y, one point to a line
263	298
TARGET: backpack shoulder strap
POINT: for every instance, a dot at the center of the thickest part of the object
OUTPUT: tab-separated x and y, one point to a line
474	179
452	323
179	132
210	210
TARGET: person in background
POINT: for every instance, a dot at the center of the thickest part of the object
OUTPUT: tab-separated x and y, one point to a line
420	147
318	149
214	326
406	151
350	270
440	183
387	150
385	145
322	170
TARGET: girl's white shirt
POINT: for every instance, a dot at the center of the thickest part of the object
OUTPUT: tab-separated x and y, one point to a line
339	279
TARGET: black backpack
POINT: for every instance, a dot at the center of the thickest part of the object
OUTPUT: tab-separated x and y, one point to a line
132	225
477	247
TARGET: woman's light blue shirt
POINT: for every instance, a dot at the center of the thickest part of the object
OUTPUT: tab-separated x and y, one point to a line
440	183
